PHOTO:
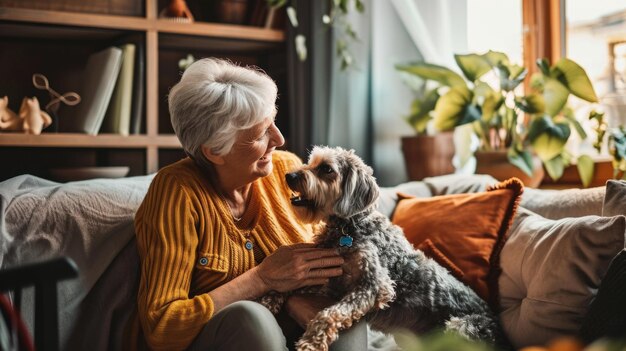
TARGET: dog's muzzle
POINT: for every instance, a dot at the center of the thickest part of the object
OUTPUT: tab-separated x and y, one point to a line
293	180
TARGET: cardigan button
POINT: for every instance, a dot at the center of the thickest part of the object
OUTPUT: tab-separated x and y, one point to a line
203	261
249	245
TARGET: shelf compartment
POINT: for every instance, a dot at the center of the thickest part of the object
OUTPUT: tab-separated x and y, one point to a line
57	52
38	161
76	140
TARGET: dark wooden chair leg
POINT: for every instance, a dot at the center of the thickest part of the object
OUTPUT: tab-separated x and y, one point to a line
44	276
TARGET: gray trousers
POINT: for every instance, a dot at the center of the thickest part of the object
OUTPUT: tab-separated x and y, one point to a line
247	325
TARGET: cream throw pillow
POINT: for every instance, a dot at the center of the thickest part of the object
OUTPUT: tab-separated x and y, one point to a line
557	204
615	199
551	270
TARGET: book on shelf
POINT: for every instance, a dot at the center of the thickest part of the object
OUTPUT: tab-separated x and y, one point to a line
98	81
136	111
117	117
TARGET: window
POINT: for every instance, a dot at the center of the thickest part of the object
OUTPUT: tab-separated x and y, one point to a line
499	33
595	37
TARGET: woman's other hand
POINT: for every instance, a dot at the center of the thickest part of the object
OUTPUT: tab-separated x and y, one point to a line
303	308
295	266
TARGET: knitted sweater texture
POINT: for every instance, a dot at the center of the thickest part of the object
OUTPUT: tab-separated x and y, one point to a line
189	244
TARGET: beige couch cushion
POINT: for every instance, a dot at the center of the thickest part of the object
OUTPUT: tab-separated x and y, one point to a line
556	204
389	195
459	183
615	199
551	270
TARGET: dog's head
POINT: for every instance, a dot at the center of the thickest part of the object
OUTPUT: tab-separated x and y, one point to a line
334	182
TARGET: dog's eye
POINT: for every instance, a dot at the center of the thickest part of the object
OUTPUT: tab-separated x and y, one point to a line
324	168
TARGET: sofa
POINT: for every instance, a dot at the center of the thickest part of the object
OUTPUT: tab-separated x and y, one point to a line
558	269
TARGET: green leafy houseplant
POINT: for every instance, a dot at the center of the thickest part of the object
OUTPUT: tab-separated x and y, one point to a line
487	96
617	148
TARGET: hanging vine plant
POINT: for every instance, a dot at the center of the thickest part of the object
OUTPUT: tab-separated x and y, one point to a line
336	18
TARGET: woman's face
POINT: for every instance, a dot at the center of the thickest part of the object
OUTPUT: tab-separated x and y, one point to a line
251	154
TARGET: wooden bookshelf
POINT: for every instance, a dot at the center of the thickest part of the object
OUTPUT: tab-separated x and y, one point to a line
90	141
141	24
65	38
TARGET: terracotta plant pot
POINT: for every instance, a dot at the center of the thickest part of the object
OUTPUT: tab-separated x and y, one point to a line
428	156
233	11
497	165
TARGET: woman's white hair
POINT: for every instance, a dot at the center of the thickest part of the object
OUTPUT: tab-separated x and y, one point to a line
214	100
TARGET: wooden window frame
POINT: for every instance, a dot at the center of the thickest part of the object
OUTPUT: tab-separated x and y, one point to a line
544	31
544	37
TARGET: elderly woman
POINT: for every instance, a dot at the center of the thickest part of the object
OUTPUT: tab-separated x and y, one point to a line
216	230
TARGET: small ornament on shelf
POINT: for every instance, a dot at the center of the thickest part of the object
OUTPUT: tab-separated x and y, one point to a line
178	11
70	98
232	11
9	120
35	120
30	119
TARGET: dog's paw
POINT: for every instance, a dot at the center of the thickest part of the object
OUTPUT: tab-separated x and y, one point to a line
309	345
273	301
321	332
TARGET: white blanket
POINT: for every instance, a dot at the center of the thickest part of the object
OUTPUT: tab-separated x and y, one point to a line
89	221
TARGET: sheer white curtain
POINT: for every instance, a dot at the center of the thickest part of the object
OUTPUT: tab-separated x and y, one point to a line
367	104
348	121
438	30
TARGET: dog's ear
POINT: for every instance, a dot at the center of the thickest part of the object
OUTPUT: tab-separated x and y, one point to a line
359	192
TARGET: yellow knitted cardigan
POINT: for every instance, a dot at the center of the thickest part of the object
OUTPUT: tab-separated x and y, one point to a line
189	244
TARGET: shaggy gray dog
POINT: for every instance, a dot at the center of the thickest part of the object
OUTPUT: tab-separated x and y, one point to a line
386	280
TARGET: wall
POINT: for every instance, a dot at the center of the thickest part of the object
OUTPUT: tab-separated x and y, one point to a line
391	44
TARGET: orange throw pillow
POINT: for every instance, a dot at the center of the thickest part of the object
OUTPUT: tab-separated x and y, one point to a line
463	232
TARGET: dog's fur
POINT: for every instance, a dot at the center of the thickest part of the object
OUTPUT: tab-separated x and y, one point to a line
386	280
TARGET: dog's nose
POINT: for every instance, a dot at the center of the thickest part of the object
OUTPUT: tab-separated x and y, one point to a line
292	179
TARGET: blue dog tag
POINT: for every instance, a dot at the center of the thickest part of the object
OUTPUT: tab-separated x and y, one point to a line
345	240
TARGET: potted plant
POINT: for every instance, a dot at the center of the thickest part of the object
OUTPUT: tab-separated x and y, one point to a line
426	154
516	126
617	149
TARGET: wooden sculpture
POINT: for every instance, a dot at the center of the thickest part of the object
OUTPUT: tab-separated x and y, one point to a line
35	120
9	121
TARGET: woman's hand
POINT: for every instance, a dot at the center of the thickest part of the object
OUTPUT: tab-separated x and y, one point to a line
303	308
294	266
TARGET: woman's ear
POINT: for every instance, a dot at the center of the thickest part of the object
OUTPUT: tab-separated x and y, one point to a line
213	158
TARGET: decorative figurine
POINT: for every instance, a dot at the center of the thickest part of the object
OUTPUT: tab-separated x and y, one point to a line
41	82
30	119
177	10
70	98
33	117
9	121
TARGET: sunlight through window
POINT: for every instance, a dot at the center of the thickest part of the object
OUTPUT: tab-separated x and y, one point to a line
487	31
